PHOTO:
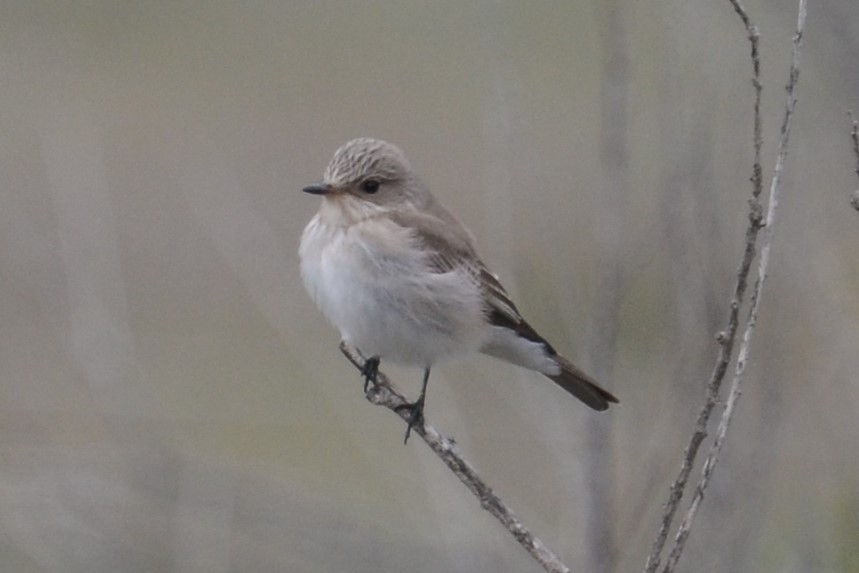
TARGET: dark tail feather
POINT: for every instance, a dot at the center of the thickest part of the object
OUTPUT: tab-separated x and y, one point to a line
581	386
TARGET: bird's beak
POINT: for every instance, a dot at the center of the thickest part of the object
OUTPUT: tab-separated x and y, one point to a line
318	189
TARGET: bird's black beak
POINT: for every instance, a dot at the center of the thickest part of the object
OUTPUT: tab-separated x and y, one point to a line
318	189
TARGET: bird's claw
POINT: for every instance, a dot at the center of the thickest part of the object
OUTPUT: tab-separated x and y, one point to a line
370	371
416	414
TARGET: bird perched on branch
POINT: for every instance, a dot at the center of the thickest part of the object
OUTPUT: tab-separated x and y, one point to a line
399	275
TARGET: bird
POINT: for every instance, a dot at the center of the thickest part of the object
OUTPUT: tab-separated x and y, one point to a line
401	279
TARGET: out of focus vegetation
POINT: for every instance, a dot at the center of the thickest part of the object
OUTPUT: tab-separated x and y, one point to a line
171	401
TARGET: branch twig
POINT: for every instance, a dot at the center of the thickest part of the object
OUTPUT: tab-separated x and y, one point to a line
727	337
751	323
854	133
384	393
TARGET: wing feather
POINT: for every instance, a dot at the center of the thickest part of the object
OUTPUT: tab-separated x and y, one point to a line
451	247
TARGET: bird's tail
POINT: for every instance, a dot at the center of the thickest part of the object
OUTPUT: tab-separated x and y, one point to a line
580	385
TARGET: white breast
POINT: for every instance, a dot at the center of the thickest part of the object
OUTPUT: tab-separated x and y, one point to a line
372	281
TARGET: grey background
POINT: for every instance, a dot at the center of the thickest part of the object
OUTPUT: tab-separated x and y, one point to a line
171	401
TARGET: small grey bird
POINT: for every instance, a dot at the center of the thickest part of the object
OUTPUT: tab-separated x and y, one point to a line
400	277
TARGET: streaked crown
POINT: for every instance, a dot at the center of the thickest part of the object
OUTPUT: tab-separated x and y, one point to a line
362	158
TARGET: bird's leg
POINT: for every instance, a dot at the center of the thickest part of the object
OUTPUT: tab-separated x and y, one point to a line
369	371
417	408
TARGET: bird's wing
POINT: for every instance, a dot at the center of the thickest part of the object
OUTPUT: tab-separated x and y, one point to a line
451	247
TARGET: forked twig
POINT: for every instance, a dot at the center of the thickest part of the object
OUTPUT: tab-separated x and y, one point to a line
726	338
751	323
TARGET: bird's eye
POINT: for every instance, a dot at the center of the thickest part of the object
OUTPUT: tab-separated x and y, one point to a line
370	186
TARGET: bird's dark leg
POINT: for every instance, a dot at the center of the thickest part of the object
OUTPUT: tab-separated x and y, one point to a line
417	408
369	371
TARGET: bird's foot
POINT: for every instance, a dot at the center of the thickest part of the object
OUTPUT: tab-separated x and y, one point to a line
370	371
416	414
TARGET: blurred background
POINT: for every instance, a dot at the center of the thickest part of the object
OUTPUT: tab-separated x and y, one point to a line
170	399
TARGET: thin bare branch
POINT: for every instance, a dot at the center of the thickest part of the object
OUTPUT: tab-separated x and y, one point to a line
854	133
384	393
763	265
727	337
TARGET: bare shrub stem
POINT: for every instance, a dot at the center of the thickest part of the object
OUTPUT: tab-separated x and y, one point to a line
727	337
